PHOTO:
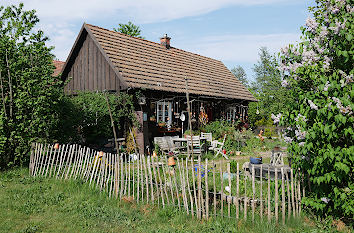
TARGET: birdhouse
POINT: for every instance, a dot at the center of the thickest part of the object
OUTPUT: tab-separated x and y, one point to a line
56	146
171	161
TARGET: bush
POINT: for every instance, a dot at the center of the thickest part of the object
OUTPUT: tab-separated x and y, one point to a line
319	74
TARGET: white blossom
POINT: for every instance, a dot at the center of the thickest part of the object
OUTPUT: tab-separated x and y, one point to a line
323	34
301	143
285	50
327	85
342	109
350	9
309	56
325	200
311	24
299	116
284	83
339	26
326	62
276	118
300	135
312	105
288	139
347	78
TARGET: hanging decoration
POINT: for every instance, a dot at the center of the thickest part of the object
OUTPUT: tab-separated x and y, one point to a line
203	117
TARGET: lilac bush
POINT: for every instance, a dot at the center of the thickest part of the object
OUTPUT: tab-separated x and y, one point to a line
319	74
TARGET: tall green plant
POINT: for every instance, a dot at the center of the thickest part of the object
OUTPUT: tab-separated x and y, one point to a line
29	93
89	114
319	74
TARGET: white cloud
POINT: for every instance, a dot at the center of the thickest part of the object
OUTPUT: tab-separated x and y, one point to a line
239	48
141	10
60	20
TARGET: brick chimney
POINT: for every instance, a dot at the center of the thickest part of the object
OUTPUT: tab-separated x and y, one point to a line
165	41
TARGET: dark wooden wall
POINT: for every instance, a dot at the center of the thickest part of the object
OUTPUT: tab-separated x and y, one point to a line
90	71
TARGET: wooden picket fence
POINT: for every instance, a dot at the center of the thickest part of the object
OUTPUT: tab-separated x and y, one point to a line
202	189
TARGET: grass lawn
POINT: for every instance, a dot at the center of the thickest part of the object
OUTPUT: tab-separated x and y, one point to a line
30	204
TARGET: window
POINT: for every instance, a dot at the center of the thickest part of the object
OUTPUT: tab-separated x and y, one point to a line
164	112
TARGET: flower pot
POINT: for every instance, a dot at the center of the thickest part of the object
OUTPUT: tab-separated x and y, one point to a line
254	160
171	161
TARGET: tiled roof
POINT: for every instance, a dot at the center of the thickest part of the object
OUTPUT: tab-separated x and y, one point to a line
58	67
146	64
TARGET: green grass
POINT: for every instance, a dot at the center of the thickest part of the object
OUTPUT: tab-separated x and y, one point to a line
30	204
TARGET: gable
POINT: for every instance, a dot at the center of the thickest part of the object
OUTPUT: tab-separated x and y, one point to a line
87	68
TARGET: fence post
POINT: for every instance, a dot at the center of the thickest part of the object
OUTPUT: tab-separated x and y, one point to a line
261	190
253	192
237	190
146	179
245	199
222	189
214	167
276	193
282	195
206	190
189	190
229	197
292	191
268	205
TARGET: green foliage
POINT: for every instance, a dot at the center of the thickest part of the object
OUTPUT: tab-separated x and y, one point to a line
267	88
319	73
219	128
240	74
30	96
129	29
87	115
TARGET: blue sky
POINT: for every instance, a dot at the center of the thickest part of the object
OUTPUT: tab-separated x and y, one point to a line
228	30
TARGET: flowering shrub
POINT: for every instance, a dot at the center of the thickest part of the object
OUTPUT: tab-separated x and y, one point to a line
319	74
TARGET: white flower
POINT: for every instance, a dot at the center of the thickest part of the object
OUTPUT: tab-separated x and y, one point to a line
299	116
311	24
288	139
312	105
276	118
326	62
325	199
300	135
347	78
323	34
301	143
284	83
342	109
327	85
285	50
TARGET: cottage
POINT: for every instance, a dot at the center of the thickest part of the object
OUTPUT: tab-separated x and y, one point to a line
107	60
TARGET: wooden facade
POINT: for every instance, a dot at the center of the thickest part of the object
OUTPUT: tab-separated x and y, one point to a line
88	68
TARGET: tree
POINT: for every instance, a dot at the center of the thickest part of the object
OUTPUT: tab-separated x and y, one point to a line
29	94
319	74
267	88
240	74
129	29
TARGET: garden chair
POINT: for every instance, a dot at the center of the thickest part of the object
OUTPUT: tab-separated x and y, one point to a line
217	147
207	136
277	157
162	143
195	141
